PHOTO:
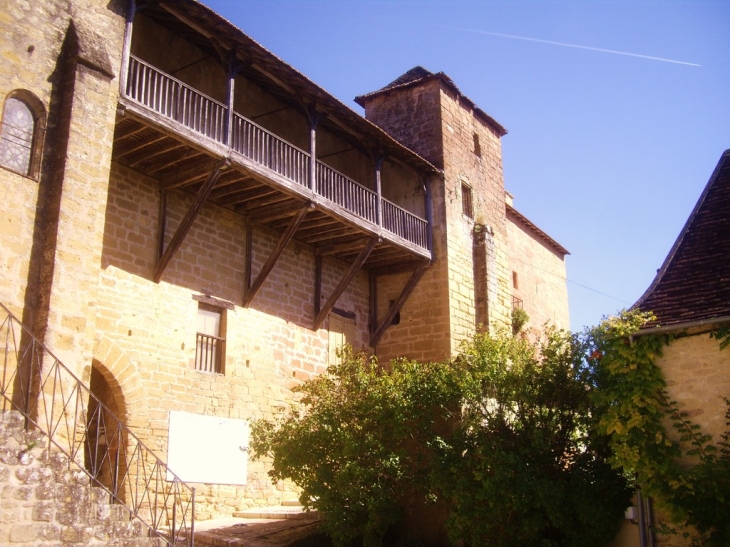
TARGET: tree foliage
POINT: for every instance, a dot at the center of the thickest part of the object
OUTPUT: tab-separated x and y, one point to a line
504	435
525	465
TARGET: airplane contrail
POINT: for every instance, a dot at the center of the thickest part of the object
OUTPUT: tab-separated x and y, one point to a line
573	46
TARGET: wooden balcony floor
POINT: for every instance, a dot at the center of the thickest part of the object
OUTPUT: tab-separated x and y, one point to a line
183	164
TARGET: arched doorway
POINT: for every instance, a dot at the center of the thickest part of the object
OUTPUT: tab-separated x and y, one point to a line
105	448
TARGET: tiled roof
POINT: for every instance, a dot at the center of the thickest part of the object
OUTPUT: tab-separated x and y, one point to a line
693	284
419	74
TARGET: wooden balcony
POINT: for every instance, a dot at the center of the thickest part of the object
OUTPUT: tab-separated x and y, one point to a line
177	134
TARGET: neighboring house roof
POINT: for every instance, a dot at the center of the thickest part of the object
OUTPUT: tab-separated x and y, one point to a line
693	284
514	214
418	75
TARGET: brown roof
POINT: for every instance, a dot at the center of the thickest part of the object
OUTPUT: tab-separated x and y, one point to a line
693	284
418	75
514	214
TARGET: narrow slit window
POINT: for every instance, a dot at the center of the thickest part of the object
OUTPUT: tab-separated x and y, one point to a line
467	206
477	146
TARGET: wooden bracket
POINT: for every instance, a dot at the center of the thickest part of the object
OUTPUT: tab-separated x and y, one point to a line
397	305
344	282
187	222
275	254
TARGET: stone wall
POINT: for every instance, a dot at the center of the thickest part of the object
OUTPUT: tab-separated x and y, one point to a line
54	53
270	346
540	276
45	501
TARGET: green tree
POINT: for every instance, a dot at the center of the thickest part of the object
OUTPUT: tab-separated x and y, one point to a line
504	436
525	465
358	449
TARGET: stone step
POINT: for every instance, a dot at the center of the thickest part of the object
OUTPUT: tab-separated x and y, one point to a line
278	512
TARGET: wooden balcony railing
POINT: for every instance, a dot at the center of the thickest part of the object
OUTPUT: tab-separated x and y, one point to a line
402	223
346	192
178	101
262	146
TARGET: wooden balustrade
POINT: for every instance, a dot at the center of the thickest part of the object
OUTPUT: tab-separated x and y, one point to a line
405	224
346	192
178	101
262	146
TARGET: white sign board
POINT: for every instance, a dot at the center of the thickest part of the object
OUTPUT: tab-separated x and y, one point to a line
207	449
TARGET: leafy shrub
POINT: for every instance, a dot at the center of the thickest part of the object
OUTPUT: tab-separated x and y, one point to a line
504	435
525	465
519	319
359	451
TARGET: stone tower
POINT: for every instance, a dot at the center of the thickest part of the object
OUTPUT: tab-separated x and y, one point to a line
467	286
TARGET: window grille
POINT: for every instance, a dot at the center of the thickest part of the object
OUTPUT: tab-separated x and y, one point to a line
209	342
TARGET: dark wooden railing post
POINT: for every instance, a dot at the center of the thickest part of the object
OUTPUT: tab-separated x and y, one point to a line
429	213
378	191
314	118
127	48
233	69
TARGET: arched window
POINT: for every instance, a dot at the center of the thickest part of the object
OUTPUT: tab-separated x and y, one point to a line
19	136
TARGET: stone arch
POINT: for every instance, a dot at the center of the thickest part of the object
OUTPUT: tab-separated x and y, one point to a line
122	376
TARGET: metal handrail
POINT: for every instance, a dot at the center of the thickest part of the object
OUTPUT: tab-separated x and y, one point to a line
54	401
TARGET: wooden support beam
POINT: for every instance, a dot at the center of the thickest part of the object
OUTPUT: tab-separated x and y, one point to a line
373	318
340	247
187	176
274	212
189	155
127	46
378	192
344	282
133	130
162	223
249	256
160	152
397	305
317	284
141	144
187	221
274	256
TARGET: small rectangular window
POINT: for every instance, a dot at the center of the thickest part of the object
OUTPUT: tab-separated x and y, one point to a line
515	280
466	201
341	332
210	340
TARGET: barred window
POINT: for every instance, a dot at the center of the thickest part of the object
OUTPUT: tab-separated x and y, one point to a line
210	339
16	136
467	207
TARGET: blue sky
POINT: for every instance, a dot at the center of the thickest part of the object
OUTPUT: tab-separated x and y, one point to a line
610	144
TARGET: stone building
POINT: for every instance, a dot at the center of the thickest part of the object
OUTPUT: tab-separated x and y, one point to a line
690	297
192	227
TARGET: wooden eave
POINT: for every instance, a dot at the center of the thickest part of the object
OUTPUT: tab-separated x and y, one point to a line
215	35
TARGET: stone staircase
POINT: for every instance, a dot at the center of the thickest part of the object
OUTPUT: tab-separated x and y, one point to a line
277	526
287	510
46	501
